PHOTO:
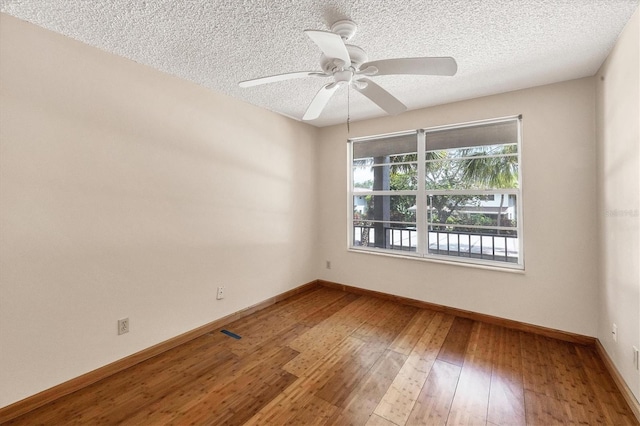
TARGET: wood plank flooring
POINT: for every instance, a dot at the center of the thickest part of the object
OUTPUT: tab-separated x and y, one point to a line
327	357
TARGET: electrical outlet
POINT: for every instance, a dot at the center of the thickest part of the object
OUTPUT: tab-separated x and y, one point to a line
614	332
123	326
220	294
328	265
636	358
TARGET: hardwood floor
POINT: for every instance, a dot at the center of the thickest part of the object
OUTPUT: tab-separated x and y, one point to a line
331	357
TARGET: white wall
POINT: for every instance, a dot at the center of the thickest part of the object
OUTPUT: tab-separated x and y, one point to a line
618	94
559	286
125	192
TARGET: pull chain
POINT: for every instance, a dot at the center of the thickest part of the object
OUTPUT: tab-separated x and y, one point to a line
348	108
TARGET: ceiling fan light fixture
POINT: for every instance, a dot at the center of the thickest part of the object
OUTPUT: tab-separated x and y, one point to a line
343	76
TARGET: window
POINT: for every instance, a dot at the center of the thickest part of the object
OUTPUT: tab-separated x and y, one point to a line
450	193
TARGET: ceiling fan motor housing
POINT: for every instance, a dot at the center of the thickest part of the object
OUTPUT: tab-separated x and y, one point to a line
345	28
357	55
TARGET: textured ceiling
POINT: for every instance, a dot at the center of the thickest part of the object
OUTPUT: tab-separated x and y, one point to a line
500	45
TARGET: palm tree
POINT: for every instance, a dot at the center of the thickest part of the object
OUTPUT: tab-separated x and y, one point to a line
494	169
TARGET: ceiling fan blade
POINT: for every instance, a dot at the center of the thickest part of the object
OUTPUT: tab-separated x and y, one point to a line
414	66
320	101
331	45
280	77
380	97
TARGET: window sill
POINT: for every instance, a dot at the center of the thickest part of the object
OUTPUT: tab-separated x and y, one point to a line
477	264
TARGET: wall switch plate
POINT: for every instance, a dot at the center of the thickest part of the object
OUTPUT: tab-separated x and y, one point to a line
328	264
123	326
614	332
220	294
636	358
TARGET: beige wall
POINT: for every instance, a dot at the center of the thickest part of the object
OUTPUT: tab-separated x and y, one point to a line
125	192
618	94
559	286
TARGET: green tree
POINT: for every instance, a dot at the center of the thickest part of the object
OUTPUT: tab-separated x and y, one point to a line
401	180
443	174
491	168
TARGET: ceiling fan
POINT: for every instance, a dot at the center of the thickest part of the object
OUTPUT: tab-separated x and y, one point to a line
347	65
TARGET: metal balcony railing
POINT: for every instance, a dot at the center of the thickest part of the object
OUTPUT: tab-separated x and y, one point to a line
503	248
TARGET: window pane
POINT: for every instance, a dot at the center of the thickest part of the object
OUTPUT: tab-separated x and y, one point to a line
467	226
483	167
403	177
467	212
444	174
497	149
362	178
386	164
475	245
385	208
474	151
394	177
384	235
501	132
386	148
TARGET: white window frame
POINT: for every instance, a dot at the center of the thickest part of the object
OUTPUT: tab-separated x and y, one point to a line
421	194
